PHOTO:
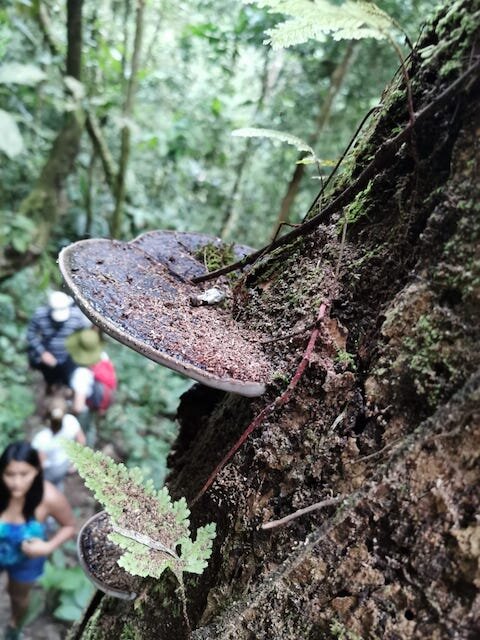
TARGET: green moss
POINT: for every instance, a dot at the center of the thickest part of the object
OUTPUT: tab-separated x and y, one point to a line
448	67
130	633
338	630
429	360
91	631
346	358
357	209
215	256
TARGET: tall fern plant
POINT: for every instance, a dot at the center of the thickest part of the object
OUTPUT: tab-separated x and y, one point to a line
353	19
318	19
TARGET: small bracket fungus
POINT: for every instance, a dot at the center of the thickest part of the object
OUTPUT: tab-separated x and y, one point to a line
140	293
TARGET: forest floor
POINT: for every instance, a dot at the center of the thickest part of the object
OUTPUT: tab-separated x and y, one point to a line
45	626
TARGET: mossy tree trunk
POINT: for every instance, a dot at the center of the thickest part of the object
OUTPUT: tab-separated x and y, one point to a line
386	417
46	202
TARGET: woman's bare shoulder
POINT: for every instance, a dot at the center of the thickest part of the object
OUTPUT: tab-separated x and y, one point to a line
51	495
55	504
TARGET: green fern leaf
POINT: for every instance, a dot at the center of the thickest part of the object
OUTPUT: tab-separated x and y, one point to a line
147	525
272	134
195	554
353	19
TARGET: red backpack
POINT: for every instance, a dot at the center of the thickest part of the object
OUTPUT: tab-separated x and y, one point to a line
105	383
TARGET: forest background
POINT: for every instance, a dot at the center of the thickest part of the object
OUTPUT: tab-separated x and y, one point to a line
148	94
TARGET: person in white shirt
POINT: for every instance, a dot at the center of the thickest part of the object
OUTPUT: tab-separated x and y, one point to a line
47	441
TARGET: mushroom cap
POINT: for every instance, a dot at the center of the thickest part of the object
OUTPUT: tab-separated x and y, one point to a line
139	293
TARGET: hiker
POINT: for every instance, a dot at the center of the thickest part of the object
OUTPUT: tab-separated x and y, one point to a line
49	327
94	380
26	501
48	441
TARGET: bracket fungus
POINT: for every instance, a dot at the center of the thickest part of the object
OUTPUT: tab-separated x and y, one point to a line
140	293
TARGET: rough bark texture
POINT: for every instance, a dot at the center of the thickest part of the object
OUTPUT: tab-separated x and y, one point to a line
386	415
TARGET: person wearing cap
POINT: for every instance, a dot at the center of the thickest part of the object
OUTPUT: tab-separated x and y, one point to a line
94	380
47	330
48	441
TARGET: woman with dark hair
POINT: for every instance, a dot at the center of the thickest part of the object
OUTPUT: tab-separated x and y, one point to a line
26	500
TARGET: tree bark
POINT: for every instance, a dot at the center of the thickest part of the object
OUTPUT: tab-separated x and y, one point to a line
382	424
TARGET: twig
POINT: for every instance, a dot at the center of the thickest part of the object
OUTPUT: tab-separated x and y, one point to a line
266	411
385	151
296	514
388	446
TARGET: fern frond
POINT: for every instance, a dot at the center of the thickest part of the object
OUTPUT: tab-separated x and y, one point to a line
272	134
146	523
195	554
353	19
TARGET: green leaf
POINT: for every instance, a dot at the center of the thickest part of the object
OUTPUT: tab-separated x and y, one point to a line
11	141
69	612
83	595
16	73
307	160
272	134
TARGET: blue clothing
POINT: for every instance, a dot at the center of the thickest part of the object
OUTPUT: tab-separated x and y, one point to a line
19	566
44	334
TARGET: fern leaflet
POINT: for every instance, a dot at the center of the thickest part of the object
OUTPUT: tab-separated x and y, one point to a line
281	136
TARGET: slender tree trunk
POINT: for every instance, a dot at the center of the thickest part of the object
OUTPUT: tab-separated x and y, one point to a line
120	187
336	81
89	192
45	202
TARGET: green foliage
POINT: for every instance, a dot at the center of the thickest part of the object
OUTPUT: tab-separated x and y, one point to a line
11	141
16	230
147	525
353	19
16	73
68	587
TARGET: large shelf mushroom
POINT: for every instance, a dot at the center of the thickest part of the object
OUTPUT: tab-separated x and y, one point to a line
140	293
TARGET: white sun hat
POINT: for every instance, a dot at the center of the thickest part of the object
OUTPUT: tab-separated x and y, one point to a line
60	305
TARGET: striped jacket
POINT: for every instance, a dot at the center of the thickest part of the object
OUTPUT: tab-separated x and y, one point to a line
44	334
